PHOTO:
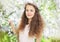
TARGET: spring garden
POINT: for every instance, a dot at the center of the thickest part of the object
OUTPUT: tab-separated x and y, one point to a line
12	9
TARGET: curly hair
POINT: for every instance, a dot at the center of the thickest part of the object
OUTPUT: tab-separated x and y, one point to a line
36	25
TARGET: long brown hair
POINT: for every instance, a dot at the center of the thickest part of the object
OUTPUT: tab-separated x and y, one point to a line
36	25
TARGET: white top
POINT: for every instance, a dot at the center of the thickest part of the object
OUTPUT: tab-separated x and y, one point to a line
23	36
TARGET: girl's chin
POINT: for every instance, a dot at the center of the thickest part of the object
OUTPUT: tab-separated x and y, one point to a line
29	17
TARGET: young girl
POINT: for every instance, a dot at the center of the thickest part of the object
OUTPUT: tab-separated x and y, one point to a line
31	25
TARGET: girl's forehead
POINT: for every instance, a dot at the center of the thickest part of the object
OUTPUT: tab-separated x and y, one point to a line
29	6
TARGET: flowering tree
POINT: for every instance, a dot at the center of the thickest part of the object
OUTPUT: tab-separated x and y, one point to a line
12	9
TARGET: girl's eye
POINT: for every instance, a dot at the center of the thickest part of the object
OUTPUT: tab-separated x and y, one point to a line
31	10
27	10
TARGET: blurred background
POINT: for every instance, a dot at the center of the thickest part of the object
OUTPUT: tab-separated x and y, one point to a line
13	9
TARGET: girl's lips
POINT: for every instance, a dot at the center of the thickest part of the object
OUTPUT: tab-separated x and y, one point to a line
29	14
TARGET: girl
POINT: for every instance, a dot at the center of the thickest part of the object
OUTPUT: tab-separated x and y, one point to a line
31	25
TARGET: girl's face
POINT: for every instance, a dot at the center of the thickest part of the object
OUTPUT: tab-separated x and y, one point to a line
30	11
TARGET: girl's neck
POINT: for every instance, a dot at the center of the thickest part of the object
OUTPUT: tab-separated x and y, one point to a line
29	21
